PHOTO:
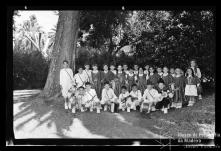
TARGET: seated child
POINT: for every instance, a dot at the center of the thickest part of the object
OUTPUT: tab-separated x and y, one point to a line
108	99
164	100
80	96
72	101
123	98
90	98
135	98
150	98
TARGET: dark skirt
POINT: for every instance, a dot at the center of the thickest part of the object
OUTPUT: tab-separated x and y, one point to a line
164	103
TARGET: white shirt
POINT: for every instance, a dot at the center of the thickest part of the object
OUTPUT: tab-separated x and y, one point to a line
95	71
114	71
87	74
136	72
136	94
151	95
165	74
130	74
90	94
173	75
66	78
123	95
161	73
146	72
108	94
80	79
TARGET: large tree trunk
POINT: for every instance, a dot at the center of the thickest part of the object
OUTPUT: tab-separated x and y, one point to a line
63	49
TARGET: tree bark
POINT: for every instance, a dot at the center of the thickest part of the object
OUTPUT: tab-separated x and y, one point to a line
62	50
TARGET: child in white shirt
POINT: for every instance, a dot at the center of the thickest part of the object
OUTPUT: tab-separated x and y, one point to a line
135	97
80	78
109	99
90	98
87	73
80	96
123	98
150	98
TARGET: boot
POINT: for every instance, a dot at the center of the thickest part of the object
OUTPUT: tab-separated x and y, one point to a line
128	109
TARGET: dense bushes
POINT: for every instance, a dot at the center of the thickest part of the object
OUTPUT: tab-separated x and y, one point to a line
29	70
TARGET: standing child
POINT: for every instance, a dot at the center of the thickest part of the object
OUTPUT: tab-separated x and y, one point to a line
120	80
191	87
150	97
114	74
179	85
141	81
80	78
167	78
197	73
109	99
96	80
146	71
159	72
106	76
154	77
130	79
66	82
90	98
125	68
87	73
123	97
172	72
136	72
136	97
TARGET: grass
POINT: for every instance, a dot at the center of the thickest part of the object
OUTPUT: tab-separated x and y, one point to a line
198	119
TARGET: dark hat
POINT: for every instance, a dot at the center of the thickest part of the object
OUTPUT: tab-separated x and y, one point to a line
106	82
160	80
81	87
123	87
149	82
134	85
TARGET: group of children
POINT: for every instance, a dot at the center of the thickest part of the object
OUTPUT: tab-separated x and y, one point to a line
130	89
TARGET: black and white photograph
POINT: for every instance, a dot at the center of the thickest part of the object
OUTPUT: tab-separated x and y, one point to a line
114	74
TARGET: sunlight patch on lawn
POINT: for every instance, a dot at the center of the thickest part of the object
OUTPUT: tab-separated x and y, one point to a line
122	119
78	130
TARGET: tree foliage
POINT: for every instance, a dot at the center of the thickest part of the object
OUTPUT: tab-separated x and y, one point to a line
154	37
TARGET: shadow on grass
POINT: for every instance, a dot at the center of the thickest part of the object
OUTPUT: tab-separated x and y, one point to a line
105	124
121	125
